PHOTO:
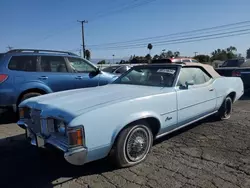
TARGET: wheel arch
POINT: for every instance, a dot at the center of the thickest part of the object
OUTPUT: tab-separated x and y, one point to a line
232	95
37	90
153	122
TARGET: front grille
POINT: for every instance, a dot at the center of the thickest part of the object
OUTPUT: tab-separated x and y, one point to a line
35	120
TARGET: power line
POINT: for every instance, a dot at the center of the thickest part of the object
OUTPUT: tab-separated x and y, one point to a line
174	34
128	7
181	42
174	40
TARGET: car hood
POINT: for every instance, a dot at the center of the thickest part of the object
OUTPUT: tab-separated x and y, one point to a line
79	101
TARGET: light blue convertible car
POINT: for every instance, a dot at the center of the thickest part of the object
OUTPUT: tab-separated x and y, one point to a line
122	119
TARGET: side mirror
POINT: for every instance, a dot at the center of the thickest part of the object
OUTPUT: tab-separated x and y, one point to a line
189	83
98	70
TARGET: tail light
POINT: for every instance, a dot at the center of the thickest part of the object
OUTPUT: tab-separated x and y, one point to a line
236	73
3	77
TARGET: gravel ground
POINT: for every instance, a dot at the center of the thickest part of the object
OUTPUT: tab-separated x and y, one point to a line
206	154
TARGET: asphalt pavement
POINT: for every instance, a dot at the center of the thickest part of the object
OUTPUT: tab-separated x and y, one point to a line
207	154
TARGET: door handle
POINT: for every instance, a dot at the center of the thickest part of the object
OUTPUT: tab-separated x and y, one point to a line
78	77
43	78
211	89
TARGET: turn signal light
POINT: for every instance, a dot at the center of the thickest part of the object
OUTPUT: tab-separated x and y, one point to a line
75	137
21	113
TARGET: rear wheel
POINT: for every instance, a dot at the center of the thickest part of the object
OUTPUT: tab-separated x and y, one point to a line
133	144
225	110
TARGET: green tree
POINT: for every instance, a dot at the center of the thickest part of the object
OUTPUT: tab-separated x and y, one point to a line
156	57
150	46
170	54
88	54
148	57
176	54
248	53
202	58
224	54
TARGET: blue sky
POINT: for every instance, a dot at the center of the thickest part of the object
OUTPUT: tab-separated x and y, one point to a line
53	24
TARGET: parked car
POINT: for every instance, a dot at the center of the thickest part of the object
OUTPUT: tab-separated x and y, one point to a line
237	68
116	69
26	73
174	60
122	119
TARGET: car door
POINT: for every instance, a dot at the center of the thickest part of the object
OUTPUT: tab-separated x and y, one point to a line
54	71
195	95
23	69
83	73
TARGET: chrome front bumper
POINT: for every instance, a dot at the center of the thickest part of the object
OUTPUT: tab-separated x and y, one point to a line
75	156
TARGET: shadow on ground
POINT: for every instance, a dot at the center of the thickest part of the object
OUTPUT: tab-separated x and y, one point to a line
7	116
22	165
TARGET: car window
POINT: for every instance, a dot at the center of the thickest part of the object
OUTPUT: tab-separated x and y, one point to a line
194	61
23	63
148	76
185	60
80	65
233	63
121	70
53	64
110	69
192	74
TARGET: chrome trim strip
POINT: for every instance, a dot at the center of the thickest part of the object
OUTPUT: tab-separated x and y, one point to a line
162	114
197	103
182	126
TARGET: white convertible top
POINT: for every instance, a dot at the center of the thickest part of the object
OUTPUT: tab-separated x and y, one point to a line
207	67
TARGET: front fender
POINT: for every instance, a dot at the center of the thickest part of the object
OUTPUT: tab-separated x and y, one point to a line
132	118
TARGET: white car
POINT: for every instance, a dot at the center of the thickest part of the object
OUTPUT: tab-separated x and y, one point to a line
122	119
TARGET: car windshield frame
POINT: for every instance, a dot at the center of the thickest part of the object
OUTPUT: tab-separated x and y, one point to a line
166	71
83	60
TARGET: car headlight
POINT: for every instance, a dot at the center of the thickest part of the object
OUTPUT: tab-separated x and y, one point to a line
59	126
76	136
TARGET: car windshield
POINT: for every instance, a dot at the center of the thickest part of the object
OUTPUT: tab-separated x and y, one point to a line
110	69
233	63
149	76
81	65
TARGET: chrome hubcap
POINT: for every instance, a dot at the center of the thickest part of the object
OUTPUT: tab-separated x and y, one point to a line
137	144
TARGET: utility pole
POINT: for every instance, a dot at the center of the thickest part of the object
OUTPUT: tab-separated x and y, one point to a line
195	53
83	44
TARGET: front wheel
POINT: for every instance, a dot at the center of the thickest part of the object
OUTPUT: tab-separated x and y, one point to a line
133	144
